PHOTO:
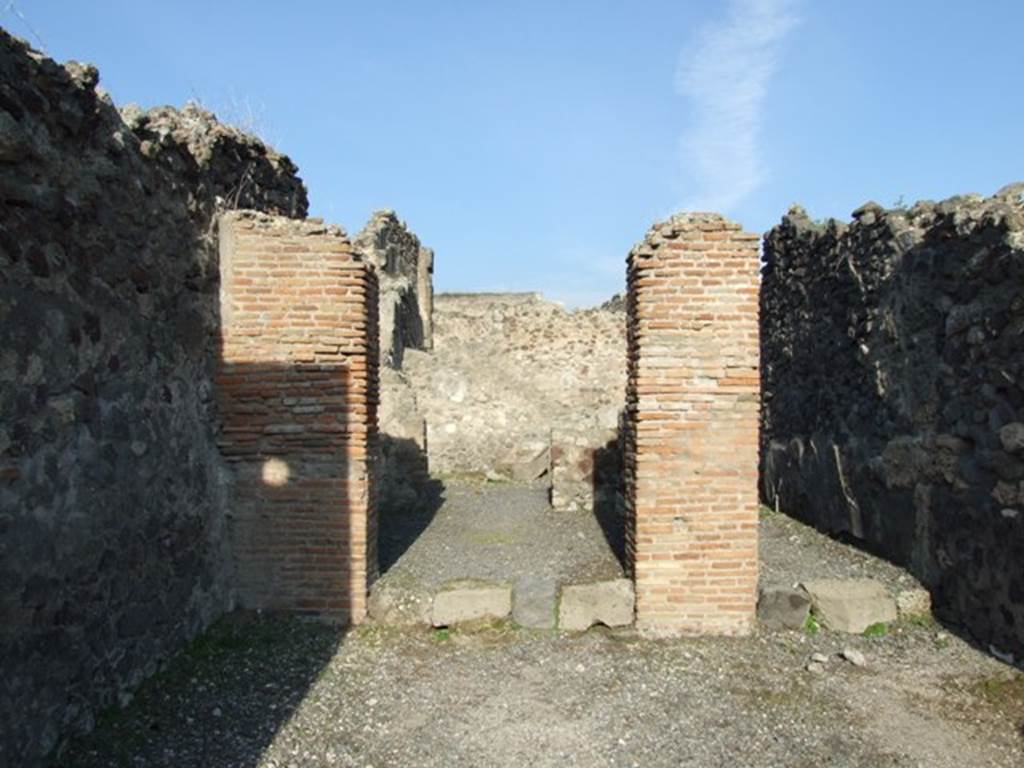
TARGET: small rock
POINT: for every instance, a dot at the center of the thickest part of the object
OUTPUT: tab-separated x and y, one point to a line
1012	437
816	667
1004	656
820	658
217	712
854	656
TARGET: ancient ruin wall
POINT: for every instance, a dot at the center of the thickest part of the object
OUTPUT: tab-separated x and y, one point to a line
298	393
404	270
509	370
405	273
691	427
113	549
893	356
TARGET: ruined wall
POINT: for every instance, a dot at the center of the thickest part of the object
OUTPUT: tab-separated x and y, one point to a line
298	393
404	271
506	371
893	356
112	504
405	274
691	426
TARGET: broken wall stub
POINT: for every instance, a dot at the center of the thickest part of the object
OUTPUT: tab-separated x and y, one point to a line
893	356
691	426
298	396
405	278
404	271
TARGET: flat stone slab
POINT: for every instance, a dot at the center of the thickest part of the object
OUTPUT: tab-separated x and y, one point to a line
603	602
397	607
533	603
783	607
850	605
469	601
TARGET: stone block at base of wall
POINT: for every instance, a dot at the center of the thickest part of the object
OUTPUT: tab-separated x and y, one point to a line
467	601
850	605
783	607
581	606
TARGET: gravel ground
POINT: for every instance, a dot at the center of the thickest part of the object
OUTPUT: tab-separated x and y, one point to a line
273	692
504	532
498	532
791	552
278	692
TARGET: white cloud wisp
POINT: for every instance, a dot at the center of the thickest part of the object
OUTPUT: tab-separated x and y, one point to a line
725	76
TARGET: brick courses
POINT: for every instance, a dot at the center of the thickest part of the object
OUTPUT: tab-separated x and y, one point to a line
298	398
692	419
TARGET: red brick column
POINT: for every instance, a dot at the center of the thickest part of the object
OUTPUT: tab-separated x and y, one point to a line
691	440
297	391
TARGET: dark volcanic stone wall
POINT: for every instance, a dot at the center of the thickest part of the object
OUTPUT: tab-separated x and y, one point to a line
112	501
893	367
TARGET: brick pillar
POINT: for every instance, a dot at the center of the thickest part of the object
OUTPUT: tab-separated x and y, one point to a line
297	390
691	438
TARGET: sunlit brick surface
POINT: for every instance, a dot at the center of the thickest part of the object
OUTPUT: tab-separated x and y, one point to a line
691	443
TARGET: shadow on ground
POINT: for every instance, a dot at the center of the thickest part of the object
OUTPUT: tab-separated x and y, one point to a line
221	702
410	498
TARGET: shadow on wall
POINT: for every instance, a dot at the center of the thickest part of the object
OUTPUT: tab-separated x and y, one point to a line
298	529
891	380
609	488
298	520
409	498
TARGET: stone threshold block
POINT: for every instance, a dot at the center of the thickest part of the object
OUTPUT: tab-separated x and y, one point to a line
462	601
534	603
581	606
783	607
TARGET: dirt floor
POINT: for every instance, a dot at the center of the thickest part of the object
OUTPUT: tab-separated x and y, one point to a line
498	532
277	692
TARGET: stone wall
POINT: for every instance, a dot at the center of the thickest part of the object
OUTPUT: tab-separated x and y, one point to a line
893	356
298	393
405	273
113	546
506	370
691	427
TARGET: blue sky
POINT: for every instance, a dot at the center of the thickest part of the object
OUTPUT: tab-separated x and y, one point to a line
532	143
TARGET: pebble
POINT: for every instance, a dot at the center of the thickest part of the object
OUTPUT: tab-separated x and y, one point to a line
854	656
